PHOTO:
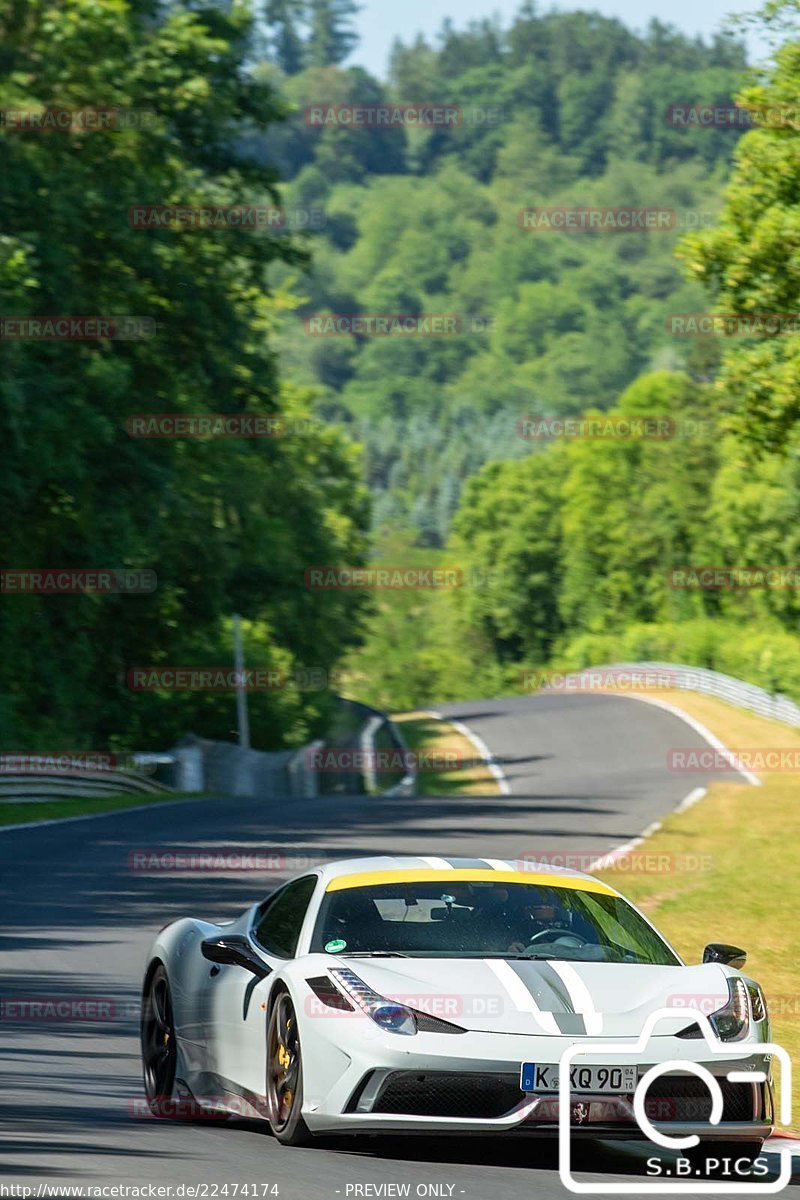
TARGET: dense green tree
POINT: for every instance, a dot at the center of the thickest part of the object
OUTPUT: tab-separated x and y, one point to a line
751	260
331	34
225	525
284	18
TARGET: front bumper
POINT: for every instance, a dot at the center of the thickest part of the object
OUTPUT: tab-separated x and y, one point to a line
442	1085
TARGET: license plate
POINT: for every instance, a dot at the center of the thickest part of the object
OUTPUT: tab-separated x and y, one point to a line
536	1077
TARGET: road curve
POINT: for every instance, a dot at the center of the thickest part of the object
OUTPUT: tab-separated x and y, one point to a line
586	773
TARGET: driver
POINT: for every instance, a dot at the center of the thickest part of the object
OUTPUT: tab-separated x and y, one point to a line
535	918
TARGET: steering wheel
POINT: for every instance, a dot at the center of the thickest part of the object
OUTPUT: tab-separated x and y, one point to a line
564	936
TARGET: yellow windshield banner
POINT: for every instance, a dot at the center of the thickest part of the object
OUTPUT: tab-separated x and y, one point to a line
468	875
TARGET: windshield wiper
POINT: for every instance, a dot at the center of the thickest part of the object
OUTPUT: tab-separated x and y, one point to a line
523	957
375	954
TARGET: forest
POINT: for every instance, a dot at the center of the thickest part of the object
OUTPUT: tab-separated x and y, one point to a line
468	447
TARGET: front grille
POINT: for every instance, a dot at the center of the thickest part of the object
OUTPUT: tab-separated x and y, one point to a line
686	1098
448	1094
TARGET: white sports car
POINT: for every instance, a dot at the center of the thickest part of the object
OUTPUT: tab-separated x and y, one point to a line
433	995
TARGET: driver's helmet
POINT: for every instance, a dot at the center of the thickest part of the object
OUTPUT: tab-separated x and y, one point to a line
549	912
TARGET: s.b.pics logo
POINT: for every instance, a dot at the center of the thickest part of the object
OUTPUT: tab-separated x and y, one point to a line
695	1129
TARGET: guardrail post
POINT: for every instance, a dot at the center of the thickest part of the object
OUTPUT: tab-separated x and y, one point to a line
189	760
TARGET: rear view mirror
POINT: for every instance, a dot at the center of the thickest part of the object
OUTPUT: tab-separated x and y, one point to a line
234	951
729	956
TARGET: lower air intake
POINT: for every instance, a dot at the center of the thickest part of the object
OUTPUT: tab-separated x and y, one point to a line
448	1094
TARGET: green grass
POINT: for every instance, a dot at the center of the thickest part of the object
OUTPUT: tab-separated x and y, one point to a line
747	891
18	813
426	734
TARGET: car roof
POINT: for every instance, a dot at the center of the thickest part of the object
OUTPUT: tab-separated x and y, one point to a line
360	871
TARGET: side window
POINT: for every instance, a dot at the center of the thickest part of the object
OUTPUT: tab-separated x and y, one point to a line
279	928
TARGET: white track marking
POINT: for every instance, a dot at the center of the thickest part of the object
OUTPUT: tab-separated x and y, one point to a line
705	733
607	859
522	998
696	794
690	800
481	747
779	1141
439	864
497	864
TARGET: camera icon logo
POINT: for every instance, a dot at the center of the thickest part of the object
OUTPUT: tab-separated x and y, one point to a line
569	1111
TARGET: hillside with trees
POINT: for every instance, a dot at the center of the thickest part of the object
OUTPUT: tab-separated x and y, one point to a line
403	448
556	109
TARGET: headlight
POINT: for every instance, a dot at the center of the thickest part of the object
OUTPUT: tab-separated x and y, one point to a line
731	1021
394	1017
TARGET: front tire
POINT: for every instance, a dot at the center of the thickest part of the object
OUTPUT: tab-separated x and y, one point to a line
285	1074
159	1047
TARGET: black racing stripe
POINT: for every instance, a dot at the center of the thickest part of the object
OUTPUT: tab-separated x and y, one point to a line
570	1022
544	985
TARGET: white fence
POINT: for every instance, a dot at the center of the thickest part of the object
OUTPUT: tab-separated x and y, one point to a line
711	683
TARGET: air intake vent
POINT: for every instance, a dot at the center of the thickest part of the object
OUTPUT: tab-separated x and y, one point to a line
428	1024
326	991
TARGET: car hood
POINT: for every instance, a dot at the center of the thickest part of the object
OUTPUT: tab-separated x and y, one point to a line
504	996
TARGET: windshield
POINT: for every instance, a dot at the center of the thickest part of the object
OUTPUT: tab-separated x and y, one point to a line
484	920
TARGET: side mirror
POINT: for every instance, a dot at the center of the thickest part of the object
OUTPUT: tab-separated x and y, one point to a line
234	951
729	956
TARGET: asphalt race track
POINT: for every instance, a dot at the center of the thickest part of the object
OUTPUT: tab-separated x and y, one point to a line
586	774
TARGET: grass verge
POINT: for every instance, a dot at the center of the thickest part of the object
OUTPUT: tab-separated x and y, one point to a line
741	847
15	812
428	735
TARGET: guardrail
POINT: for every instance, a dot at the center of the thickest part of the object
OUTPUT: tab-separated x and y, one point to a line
711	683
203	765
148	772
365	732
31	788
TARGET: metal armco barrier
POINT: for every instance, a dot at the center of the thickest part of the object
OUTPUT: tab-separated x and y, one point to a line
714	683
